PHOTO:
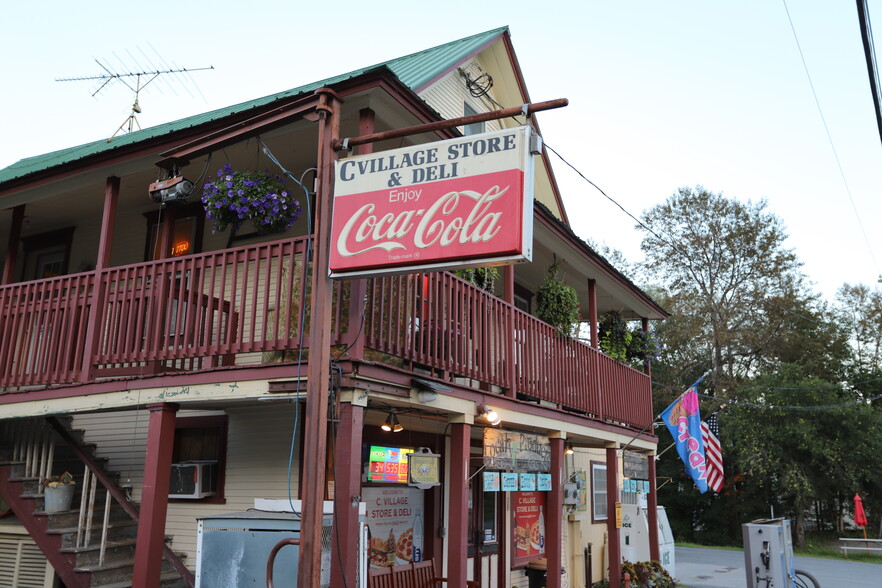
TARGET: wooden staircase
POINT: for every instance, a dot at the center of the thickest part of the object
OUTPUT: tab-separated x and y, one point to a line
92	545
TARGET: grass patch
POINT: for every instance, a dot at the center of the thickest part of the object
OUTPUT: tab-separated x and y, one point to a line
825	548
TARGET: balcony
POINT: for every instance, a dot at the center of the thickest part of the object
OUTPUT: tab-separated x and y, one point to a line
247	306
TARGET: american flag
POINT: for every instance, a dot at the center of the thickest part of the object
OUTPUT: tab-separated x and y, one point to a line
710	435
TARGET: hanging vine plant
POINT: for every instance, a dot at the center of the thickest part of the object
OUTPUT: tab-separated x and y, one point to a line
624	344
482	277
558	303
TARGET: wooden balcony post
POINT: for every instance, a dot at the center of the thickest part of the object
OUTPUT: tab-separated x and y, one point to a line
347	488
592	312
508	296
458	509
612	500
652	515
12	248
154	495
358	288
99	290
647	363
554	514
316	421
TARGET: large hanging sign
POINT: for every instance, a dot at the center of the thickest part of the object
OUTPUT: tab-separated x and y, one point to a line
515	450
450	204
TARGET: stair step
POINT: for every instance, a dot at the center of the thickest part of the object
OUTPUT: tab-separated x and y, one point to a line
119	571
166	580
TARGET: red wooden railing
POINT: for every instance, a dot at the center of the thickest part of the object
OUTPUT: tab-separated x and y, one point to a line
247	306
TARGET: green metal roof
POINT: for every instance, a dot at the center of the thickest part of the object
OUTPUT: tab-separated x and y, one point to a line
413	70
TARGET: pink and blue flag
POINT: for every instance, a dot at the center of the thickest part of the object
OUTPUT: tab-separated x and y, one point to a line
684	423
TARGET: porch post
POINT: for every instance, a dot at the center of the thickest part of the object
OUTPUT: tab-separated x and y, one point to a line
652	515
612	499
12	249
358	287
458	505
108	219
347	491
154	495
647	363
96	302
315	436
554	515
508	296
592	312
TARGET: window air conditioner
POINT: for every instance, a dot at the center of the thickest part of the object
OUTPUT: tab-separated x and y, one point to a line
193	479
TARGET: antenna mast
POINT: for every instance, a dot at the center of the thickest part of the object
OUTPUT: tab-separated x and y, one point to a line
131	121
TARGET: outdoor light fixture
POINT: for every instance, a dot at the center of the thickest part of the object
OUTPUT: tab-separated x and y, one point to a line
568	449
171	190
490	415
392	424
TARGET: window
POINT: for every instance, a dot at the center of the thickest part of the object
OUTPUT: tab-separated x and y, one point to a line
598	492
474	128
47	255
187	222
203	439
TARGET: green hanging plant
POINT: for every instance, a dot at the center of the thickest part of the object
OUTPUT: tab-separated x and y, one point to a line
482	277
614	335
558	303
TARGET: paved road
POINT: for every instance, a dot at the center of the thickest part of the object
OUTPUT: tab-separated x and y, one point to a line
723	568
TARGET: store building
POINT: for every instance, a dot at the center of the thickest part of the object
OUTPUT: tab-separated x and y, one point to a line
175	369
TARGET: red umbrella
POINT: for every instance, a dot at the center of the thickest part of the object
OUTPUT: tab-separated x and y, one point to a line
860	517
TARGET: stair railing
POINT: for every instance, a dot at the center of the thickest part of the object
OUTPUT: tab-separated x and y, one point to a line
87	514
97	474
34	446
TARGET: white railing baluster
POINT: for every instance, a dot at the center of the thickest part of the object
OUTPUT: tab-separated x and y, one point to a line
82	518
104	528
91	513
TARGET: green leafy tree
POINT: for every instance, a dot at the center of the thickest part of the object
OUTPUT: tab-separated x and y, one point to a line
719	261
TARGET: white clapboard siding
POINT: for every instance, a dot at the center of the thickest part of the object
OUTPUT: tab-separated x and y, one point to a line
258	448
449	94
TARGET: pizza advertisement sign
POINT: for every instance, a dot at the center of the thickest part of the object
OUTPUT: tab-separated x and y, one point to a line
395	516
457	203
529	525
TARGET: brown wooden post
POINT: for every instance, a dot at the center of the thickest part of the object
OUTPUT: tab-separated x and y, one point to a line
554	516
592	312
612	499
458	509
652	515
315	450
347	491
154	495
358	287
510	368
99	292
108	220
647	363
12	249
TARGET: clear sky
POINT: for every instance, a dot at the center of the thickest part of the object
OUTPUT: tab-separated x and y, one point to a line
662	94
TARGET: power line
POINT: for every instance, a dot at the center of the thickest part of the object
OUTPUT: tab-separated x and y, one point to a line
830	138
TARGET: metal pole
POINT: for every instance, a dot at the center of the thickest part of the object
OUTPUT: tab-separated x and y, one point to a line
524	110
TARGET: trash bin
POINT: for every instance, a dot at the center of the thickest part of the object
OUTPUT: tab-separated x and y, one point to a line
536	572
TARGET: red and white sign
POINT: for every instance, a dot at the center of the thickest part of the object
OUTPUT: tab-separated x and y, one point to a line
451	204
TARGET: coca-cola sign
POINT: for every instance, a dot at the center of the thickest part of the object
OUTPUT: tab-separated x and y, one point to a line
450	204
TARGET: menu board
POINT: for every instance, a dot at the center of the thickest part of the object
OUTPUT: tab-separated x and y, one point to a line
395	515
529	524
387	464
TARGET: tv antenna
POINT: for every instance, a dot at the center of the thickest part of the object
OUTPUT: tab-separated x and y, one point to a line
141	81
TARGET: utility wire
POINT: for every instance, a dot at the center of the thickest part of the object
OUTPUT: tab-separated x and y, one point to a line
830	138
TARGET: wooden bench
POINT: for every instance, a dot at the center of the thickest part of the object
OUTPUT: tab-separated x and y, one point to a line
847	544
412	575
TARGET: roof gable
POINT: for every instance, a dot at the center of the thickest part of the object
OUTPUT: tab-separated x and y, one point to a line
414	70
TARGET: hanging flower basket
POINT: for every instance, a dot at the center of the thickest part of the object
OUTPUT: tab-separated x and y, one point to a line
257	196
